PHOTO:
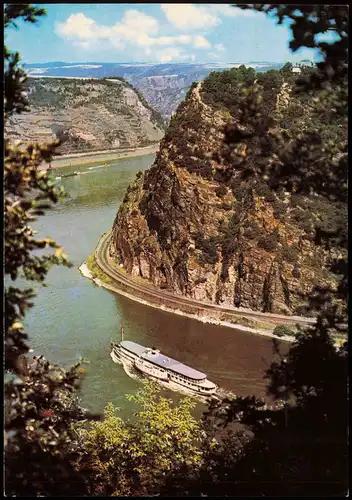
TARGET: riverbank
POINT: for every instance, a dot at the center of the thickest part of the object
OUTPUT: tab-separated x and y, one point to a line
109	285
106	282
83	159
106	273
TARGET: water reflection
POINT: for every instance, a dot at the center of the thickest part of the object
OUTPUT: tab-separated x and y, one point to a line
233	359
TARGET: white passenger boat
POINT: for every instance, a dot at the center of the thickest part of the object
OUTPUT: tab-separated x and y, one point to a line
153	364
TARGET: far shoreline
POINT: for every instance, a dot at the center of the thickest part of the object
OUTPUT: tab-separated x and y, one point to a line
81	159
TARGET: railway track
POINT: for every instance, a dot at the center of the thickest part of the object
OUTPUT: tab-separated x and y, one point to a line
155	295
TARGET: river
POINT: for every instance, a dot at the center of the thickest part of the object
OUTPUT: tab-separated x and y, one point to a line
73	317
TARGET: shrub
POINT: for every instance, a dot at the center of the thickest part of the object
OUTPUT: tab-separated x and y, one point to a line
221	191
303	219
270	196
262	189
223	89
279	209
252	231
209	248
296	272
240	191
282	330
290	253
127	458
269	242
96	271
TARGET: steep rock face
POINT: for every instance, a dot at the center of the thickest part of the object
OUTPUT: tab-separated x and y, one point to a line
165	92
90	114
190	226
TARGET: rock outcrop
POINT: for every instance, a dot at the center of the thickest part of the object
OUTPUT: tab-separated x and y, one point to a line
90	114
191	226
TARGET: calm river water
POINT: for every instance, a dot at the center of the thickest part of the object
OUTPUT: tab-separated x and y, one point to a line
73	317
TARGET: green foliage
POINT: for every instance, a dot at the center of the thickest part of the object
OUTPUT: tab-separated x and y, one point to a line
290	253
223	89
185	123
220	191
269	241
262	189
209	248
133	457
15	99
40	402
40	443
287	68
28	192
95	269
282	331
280	452
303	219
252	230
280	209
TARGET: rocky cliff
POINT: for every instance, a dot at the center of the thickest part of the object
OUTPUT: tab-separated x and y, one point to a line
192	225
164	92
90	114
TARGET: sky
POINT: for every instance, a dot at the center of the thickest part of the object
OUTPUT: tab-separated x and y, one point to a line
160	33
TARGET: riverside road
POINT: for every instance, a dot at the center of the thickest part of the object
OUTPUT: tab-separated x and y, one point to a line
160	297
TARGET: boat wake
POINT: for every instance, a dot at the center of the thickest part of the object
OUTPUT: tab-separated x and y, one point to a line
98	166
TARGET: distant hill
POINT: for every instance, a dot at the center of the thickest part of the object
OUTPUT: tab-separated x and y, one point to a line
90	114
163	85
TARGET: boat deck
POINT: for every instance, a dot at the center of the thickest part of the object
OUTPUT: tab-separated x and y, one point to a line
163	361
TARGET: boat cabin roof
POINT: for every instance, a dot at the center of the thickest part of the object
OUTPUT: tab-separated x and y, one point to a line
133	347
163	361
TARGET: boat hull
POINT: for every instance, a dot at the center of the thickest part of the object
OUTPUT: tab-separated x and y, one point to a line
115	358
147	368
150	371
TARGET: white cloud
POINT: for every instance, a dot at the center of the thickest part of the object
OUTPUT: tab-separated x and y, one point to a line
81	27
228	11
135	29
190	17
138	21
200	42
219	46
85	32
